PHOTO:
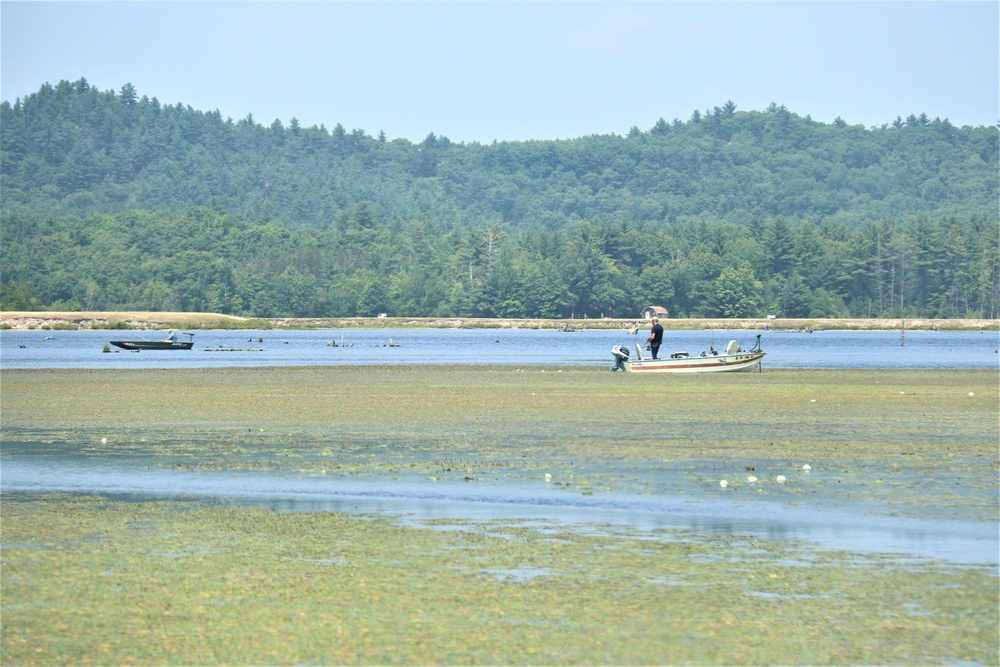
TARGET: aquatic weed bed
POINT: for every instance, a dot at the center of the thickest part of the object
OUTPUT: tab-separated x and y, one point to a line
92	581
95	580
917	443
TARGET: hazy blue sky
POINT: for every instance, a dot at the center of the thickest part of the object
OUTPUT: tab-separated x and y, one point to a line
479	71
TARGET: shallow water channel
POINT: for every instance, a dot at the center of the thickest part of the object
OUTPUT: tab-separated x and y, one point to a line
418	499
902	462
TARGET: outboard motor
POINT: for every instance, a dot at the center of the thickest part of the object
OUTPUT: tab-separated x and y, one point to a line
621	356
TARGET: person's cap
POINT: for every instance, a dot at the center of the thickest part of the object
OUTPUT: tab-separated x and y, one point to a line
656	319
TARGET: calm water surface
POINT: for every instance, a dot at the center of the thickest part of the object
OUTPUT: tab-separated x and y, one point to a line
417	500
958	541
221	348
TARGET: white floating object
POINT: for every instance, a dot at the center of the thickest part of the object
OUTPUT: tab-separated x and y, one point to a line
723	483
780	479
104	441
813	400
548	476
972	393
751	479
806	466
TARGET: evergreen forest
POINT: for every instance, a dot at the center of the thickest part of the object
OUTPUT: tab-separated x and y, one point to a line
116	201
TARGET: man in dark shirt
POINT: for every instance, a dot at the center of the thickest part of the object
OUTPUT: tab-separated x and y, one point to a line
655	337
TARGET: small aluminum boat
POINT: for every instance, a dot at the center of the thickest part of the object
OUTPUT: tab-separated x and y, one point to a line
136	345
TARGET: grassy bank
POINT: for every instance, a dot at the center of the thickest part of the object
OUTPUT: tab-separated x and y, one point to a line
151	320
87	580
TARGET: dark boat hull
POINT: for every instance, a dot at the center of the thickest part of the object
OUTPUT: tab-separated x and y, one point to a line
151	345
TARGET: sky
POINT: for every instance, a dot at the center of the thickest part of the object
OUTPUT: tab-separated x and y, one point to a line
516	70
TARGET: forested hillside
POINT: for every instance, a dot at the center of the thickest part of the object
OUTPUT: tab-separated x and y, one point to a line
115	201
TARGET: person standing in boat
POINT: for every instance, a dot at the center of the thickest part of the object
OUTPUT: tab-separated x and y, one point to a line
171	337
655	337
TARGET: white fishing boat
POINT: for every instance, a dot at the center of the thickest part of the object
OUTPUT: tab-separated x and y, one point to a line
733	359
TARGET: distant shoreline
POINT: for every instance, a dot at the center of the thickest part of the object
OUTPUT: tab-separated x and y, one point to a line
165	320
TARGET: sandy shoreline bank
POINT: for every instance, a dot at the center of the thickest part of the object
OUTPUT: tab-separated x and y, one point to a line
163	320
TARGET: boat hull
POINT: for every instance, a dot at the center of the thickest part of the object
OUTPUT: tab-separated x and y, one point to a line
722	363
151	345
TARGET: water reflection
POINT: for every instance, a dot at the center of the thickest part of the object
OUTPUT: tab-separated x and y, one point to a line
418	501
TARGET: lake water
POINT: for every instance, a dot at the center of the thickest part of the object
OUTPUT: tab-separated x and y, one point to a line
840	528
225	348
31	470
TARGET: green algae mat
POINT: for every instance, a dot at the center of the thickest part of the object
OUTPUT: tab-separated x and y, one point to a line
92	580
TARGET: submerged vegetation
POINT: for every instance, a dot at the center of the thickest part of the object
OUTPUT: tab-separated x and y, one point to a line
909	440
91	581
95	580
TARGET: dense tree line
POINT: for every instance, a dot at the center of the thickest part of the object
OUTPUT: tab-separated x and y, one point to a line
115	201
73	149
206	259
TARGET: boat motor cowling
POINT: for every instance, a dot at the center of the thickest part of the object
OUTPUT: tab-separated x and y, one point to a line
621	356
